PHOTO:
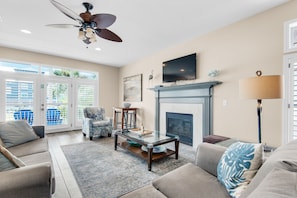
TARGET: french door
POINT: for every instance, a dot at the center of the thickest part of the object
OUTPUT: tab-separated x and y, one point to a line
56	103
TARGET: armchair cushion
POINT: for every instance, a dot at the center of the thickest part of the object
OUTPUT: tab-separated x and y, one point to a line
16	132
94	113
101	123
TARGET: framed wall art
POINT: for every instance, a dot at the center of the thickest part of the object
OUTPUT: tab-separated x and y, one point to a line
133	88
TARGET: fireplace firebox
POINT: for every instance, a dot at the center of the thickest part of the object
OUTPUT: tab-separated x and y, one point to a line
180	124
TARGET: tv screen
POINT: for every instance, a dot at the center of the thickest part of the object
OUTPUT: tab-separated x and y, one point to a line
183	68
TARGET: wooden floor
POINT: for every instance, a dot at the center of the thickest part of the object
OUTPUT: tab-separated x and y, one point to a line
66	186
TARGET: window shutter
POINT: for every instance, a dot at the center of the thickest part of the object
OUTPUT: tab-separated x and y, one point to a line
85	98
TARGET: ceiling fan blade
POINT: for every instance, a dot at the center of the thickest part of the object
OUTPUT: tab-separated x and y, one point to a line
71	14
107	34
103	20
62	25
86	16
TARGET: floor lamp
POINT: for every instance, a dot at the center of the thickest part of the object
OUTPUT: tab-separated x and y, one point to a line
260	87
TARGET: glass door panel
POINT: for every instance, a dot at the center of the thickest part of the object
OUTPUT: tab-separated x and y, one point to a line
57	105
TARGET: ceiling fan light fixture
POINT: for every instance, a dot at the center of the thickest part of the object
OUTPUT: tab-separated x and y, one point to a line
93	39
89	32
81	34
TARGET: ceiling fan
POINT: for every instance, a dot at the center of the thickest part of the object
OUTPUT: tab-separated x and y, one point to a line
89	25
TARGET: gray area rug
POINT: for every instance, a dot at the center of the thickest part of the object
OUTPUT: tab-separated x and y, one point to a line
100	171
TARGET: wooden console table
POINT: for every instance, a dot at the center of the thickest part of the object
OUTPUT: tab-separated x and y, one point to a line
127	117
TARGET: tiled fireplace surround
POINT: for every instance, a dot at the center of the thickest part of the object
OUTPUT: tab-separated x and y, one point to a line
195	99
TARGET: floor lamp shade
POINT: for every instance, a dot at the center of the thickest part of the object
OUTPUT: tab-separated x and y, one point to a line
260	87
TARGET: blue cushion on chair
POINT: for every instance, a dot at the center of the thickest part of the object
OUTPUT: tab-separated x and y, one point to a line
238	165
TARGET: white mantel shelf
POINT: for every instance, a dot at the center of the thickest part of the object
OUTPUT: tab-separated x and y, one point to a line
196	93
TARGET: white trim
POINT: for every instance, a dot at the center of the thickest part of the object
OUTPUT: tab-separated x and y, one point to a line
287	36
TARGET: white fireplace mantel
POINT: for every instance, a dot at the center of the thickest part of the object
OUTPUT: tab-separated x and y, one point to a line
198	93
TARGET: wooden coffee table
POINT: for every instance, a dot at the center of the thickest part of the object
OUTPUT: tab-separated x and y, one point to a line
149	142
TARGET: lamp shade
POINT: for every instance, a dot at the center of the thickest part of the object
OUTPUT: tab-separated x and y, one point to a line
260	87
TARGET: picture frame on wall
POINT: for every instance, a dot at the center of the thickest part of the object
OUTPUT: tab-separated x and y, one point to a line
290	33
133	88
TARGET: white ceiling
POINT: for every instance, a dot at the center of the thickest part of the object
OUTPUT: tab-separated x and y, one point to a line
145	26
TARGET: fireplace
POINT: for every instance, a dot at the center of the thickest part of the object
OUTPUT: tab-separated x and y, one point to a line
180	124
195	99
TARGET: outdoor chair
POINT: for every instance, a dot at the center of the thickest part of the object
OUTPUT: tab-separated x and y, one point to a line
95	123
53	117
24	115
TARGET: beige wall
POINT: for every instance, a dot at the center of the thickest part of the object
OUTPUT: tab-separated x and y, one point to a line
238	51
108	76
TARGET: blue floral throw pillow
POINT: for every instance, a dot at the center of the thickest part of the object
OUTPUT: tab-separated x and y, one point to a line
238	165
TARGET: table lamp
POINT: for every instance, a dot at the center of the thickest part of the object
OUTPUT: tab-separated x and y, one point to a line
260	87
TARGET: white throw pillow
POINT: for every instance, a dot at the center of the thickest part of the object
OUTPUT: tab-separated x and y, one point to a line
238	165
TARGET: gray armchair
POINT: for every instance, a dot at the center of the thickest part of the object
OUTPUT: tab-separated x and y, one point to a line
95	123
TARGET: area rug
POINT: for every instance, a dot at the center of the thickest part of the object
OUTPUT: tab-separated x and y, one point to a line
100	171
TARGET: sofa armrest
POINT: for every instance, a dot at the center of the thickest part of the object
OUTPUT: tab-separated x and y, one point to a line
29	181
208	157
39	130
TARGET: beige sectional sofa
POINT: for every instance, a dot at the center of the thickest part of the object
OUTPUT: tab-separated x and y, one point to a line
277	177
36	177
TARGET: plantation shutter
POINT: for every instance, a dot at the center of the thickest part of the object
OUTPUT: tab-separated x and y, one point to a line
19	100
294	100
290	98
85	98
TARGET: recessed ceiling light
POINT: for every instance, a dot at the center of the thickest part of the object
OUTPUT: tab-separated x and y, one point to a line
26	31
97	49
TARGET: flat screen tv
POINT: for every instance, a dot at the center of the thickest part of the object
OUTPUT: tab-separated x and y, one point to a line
183	68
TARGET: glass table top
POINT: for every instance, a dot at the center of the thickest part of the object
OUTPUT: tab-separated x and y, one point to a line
153	138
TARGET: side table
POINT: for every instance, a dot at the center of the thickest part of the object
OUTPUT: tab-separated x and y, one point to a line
126	115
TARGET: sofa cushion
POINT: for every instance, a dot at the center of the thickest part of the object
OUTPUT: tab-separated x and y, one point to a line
16	132
190	181
145	192
8	161
279	183
285	153
37	158
37	146
208	157
238	165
